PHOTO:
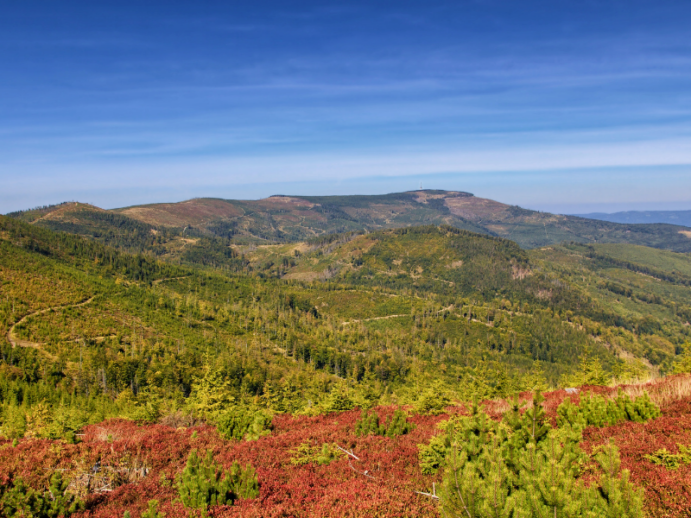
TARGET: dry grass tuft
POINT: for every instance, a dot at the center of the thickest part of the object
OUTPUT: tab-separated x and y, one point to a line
106	435
662	391
99	479
179	419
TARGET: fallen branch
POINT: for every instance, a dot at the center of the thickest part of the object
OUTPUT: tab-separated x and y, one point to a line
347	452
433	494
351	454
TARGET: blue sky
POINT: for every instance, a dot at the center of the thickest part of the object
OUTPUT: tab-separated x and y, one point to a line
567	106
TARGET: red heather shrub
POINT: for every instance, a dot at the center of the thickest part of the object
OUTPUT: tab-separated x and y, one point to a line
340	488
337	489
667	492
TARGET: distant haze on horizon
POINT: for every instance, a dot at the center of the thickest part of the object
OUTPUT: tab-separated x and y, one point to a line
566	107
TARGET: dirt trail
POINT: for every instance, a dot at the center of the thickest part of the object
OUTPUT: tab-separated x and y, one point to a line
16	342
159	281
374	318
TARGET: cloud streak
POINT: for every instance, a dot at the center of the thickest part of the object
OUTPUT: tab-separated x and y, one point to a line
121	98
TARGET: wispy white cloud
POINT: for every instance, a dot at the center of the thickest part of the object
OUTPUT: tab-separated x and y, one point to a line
342	92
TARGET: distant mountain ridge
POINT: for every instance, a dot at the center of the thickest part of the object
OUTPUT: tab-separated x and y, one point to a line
672	217
176	227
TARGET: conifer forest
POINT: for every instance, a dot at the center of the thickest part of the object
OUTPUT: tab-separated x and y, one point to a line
415	370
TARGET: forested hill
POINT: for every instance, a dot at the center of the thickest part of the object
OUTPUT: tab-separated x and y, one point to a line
84	254
393	302
170	228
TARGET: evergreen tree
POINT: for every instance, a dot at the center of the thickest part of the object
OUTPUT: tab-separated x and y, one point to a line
369	424
244	423
210	394
590	372
202	484
152	510
622	499
521	467
18	499
598	411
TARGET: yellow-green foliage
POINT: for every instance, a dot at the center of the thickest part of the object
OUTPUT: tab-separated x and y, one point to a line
369	424
244	423
42	420
683	364
590	372
202	484
671	460
211	394
18	499
433	454
412	316
598	411
305	453
521	467
152	510
433	400
340	400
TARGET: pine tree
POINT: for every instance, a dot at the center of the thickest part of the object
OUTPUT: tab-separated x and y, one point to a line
522	468
433	400
210	394
369	424
398	425
201	486
622	499
244	423
152	510
597	411
21	500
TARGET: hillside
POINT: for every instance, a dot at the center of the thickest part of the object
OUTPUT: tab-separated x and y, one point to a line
637	290
170	228
292	218
398	301
94	340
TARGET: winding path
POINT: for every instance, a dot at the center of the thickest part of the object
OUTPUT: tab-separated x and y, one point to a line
159	281
374	318
16	342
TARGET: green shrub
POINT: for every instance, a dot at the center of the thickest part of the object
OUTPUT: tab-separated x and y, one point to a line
521	467
152	511
369	424
340	399
432	455
201	486
12	422
598	411
67	421
18	499
433	400
590	372
244	423
210	394
306	454
671	460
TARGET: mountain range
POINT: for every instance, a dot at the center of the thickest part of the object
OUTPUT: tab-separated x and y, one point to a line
673	217
296	218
